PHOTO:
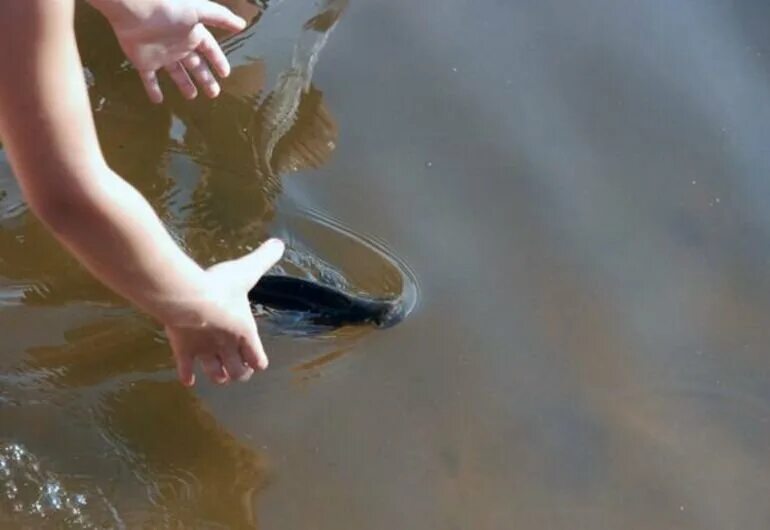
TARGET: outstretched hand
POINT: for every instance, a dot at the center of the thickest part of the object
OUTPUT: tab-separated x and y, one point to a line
171	35
227	344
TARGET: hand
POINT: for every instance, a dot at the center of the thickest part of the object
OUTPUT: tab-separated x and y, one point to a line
171	35
227	344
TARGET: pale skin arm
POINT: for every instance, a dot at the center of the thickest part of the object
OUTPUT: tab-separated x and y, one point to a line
51	142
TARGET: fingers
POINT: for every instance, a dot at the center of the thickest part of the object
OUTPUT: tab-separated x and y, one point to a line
184	368
192	67
236	369
236	360
252	351
202	75
151	86
213	368
213	14
221	369
182	80
253	266
210	49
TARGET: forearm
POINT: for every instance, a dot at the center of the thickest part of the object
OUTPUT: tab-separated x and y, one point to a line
116	235
118	9
50	138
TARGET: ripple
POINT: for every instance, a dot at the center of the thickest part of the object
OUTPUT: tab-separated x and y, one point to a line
325	250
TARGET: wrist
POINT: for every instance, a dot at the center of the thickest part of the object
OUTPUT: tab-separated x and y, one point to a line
184	301
117	11
189	311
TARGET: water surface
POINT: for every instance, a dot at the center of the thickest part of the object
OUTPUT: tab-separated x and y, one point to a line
581	191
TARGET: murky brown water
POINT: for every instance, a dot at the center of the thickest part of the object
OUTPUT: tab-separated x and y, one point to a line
582	191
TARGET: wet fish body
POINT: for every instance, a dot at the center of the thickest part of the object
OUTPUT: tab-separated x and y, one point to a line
323	305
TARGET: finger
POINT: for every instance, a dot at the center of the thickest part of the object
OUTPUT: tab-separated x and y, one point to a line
213	14
184	369
253	352
212	367
201	73
151	85
210	49
252	266
236	369
182	80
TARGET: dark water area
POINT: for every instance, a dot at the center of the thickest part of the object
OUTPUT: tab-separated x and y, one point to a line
576	197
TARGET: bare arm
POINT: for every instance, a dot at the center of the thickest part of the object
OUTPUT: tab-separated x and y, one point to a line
50	138
51	141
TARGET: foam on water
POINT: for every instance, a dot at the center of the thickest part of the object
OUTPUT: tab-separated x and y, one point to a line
31	495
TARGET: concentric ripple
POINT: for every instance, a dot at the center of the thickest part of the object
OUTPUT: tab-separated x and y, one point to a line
325	250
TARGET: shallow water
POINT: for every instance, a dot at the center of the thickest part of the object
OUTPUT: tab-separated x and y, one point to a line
578	190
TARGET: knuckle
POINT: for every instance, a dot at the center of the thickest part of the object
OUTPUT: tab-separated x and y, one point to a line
204	75
235	369
193	61
208	43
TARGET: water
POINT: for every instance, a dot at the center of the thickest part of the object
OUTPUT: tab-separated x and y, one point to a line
35	497
574	194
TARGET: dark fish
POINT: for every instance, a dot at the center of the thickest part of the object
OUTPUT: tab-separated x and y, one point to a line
324	305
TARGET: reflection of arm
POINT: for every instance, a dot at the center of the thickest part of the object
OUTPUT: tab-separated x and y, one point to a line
47	126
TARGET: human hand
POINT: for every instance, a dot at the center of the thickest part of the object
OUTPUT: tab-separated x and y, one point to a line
227	344
172	35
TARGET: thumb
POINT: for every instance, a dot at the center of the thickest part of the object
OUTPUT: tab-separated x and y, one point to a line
217	15
250	268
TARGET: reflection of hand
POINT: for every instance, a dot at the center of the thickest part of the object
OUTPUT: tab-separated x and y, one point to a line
171	34
227	344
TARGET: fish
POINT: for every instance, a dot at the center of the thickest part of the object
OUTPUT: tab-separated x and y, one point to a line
324	305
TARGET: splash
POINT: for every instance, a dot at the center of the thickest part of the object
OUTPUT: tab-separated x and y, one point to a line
31	496
371	268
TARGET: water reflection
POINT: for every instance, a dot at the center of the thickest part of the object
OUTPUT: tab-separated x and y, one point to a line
194	474
101	374
210	169
231	152
166	454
